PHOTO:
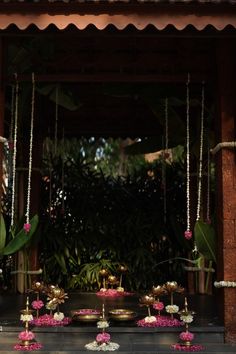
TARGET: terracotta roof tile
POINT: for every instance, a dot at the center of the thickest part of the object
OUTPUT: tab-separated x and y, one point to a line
124	1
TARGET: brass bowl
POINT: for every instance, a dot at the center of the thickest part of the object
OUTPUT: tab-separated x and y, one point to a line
86	315
122	315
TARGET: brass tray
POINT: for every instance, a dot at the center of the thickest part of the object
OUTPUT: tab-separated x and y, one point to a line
86	315
122	315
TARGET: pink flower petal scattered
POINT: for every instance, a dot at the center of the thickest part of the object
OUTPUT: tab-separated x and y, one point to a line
28	348
113	293
48	321
187	348
161	321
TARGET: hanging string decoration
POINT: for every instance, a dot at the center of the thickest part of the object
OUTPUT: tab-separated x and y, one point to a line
199	192
188	232
15	92
165	156
27	225
208	218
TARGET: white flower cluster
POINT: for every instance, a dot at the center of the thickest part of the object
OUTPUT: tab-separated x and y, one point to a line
150	319
26	318
58	316
111	346
102	324
172	308
186	318
225	284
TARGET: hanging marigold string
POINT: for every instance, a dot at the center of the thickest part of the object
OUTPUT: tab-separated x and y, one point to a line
15	92
199	193
188	232
27	225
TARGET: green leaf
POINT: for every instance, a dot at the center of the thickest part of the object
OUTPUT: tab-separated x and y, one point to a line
21	238
205	240
2	233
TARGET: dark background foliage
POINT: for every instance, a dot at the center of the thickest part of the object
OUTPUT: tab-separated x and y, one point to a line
93	220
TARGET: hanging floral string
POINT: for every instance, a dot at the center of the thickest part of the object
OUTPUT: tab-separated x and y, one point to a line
56	121
188	232
27	225
165	156
208	218
15	92
199	194
63	174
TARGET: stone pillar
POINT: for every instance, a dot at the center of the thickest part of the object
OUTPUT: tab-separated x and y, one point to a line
226	183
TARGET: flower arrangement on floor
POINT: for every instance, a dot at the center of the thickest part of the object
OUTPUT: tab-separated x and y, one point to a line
27	337
186	337
102	342
154	302
55	297
112	280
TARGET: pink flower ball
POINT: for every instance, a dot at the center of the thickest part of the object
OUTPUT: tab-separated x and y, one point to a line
37	304
103	337
158	306
188	234
27	227
26	335
186	336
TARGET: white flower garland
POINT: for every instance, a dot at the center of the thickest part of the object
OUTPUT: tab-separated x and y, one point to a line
110	346
26	318
14	153
199	192
188	156
225	284
30	149
172	308
102	324
186	318
58	316
150	319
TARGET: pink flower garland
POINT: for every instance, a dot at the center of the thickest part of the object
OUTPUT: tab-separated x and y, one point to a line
24	335
37	304
158	306
186	336
103	338
27	227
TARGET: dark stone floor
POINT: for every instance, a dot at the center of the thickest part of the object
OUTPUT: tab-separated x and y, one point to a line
71	339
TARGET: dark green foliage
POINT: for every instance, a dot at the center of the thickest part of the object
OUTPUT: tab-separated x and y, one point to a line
107	220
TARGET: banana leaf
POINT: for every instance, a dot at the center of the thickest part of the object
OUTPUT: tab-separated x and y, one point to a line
205	239
2	233
21	238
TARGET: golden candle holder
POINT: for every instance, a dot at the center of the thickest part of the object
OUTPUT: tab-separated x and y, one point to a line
158	291
147	300
104	274
186	316
122	269
112	280
172	287
56	296
38	287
